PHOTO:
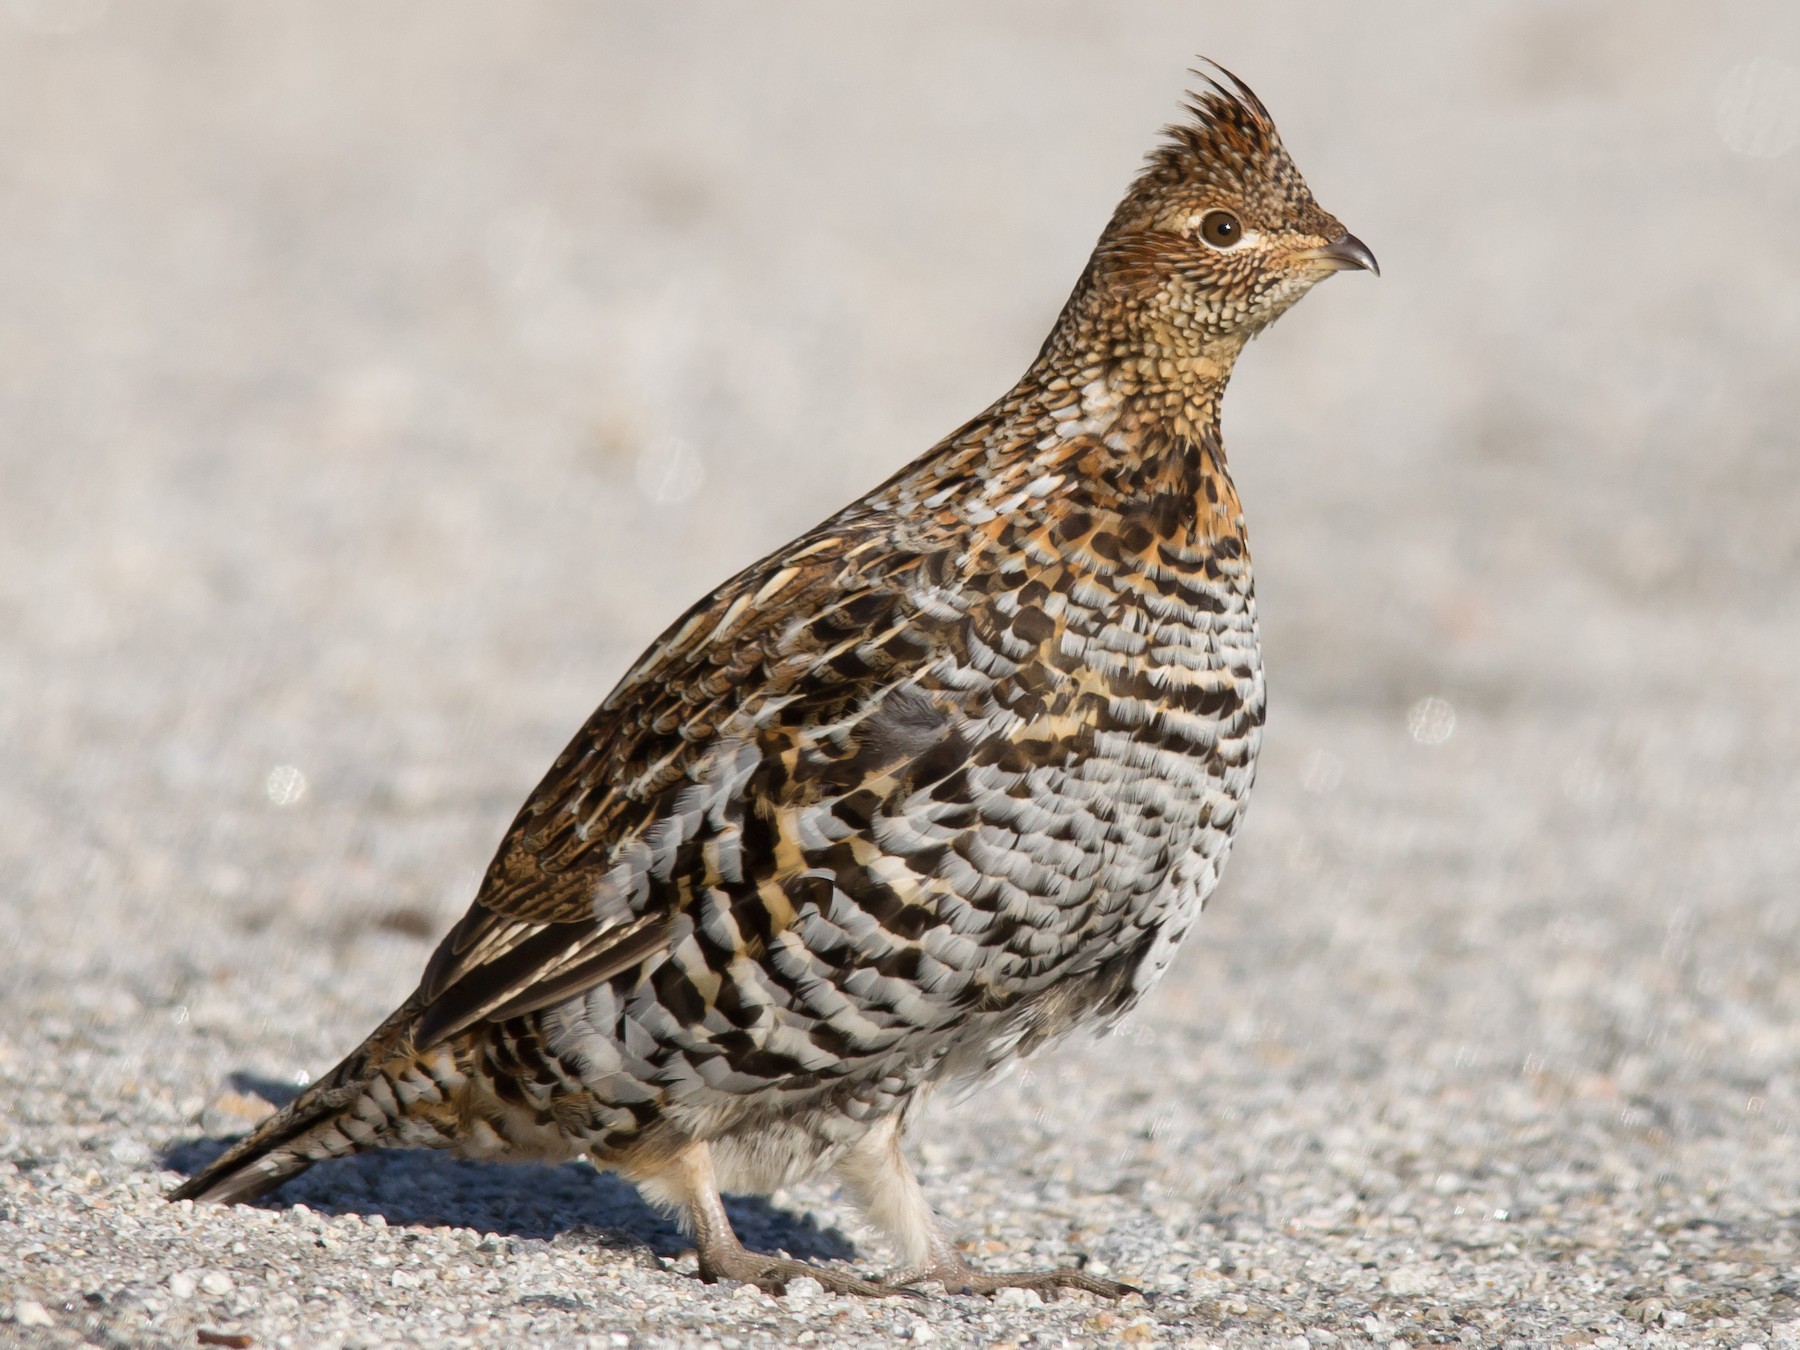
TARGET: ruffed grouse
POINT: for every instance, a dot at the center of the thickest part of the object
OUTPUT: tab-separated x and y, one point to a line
943	778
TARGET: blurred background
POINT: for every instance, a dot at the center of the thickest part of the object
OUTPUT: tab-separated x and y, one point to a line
376	380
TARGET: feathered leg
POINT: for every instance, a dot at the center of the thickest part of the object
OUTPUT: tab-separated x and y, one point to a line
687	1181
877	1173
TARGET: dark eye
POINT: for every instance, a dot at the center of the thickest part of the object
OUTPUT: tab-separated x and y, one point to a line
1221	229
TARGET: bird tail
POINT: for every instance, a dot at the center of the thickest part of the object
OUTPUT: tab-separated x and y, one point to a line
383	1094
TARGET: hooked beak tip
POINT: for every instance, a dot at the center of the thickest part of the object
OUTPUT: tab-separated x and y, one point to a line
1347	252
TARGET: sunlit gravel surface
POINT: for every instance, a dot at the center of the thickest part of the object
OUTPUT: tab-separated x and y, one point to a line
376	381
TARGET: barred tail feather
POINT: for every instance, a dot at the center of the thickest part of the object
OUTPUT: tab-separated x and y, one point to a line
253	1167
363	1103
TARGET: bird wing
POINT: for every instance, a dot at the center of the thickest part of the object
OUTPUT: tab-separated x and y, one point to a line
647	803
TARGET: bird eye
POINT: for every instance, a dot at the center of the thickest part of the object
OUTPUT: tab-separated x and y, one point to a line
1221	229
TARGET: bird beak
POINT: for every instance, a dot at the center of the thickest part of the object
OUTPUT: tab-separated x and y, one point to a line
1346	253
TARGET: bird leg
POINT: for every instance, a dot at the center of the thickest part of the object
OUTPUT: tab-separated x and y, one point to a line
878	1175
688	1181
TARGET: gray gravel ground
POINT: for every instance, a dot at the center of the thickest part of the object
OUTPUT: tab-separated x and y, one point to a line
375	380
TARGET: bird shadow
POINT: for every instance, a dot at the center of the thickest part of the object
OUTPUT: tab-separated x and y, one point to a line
569	1205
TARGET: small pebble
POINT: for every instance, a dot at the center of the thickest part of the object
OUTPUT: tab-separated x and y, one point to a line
29	1313
804	1290
1019	1298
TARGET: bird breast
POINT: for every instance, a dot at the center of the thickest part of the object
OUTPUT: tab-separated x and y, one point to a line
1004	836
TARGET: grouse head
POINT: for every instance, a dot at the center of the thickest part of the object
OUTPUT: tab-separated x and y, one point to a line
1216	238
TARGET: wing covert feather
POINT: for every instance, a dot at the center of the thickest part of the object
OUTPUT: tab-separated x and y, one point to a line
596	865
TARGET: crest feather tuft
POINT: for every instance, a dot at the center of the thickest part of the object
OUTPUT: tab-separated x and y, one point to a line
1228	132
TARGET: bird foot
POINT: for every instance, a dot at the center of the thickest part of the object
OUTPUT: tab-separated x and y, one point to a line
772	1273
959	1277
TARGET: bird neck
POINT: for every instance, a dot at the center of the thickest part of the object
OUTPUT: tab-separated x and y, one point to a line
1116	410
1096	435
1159	373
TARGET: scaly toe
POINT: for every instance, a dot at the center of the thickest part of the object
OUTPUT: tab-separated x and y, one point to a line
965	1279
771	1274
